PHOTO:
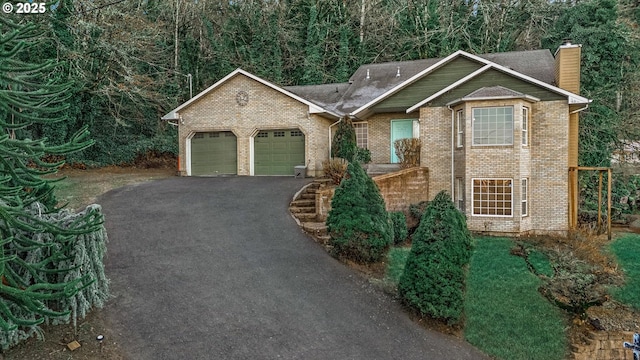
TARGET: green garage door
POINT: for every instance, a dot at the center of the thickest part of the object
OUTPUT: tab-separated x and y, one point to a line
214	153
276	152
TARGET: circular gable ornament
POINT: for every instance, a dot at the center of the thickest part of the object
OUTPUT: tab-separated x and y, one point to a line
242	98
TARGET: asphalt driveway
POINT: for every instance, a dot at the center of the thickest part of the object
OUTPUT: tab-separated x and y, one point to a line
216	268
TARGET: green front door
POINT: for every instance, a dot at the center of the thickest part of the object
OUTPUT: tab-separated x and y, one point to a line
400	129
276	152
214	153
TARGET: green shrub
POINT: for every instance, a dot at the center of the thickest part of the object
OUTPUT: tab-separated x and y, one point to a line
344	143
363	155
434	276
358	223
400	231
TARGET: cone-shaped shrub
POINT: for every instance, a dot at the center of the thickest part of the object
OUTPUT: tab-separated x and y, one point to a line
358	223
434	275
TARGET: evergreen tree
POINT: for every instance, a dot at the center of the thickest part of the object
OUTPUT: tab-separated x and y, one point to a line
313	72
358	223
344	143
434	275
50	259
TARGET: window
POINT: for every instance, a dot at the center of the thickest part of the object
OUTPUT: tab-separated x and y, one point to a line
362	134
459	128
198	135
493	126
214	134
524	193
525	126
295	133
492	197
262	134
278	134
460	194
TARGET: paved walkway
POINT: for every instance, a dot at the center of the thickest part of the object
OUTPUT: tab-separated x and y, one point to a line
216	268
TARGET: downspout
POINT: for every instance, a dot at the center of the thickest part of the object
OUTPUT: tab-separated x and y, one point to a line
452	148
581	109
330	126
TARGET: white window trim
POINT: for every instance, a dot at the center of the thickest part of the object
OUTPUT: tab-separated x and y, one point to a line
459	198
473	208
524	196
366	124
459	128
473	120
525	126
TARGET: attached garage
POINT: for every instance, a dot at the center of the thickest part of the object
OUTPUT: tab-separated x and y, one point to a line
277	152
214	153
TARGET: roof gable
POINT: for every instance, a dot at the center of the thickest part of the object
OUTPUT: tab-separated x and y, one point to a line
313	108
397	101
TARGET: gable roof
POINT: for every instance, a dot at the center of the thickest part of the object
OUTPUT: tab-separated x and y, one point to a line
313	108
494	93
488	64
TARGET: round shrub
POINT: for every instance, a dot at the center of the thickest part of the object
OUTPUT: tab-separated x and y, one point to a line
400	231
434	275
358	223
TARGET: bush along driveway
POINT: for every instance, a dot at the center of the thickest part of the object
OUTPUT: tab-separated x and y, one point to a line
216	268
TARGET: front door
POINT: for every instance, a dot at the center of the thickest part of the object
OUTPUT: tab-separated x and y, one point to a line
400	129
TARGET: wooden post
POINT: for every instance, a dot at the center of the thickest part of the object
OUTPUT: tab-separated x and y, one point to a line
609	204
573	198
600	201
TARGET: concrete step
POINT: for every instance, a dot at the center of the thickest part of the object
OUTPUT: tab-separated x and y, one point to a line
302	209
323	239
307	196
303	203
316	228
304	217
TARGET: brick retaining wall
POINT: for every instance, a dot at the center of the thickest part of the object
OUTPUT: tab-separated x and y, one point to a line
399	189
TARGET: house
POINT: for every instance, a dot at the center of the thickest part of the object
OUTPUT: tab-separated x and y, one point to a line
498	131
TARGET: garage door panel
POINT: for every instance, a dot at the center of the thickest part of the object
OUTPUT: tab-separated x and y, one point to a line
276	152
214	153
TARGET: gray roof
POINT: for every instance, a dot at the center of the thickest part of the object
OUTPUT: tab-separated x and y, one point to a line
325	95
372	80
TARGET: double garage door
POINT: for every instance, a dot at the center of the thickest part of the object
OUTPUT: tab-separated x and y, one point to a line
276	152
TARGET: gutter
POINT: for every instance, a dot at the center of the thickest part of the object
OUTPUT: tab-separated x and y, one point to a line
452	149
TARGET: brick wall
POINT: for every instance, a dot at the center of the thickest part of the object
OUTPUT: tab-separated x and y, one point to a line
267	109
543	163
402	188
398	189
379	128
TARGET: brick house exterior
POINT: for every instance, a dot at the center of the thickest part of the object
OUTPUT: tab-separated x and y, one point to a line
498	131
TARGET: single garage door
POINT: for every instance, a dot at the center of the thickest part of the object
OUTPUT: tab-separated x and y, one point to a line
276	152
214	153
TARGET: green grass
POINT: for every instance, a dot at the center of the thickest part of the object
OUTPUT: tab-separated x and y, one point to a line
396	258
506	317
627	251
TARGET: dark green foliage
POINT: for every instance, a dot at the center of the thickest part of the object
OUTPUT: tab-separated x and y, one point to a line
358	223
434	278
363	155
416	210
344	143
400	231
43	249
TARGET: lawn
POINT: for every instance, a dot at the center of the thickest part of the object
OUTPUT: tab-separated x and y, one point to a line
506	317
627	251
